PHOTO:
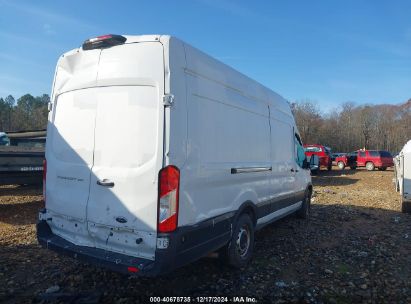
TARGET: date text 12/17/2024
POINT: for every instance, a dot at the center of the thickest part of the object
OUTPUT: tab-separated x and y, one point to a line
200	299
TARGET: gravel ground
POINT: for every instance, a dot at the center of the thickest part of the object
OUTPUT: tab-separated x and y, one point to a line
355	249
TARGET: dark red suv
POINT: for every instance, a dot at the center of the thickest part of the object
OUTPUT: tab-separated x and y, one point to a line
374	159
323	152
370	159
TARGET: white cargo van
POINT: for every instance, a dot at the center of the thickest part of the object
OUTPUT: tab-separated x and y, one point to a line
157	154
402	168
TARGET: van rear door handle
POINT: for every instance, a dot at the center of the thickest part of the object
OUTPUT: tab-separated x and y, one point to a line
105	183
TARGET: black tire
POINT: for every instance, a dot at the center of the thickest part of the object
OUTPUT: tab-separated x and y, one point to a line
341	165
305	210
370	166
406	206
315	172
238	252
382	168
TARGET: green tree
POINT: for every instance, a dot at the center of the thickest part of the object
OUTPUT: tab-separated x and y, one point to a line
8	112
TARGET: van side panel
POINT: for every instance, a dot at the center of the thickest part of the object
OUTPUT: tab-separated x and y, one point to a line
226	131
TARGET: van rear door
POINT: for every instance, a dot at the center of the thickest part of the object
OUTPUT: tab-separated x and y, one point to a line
105	148
122	207
128	145
69	154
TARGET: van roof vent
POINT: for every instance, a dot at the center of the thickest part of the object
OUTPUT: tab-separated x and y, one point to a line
104	41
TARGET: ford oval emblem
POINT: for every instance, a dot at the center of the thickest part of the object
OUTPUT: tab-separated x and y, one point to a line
121	219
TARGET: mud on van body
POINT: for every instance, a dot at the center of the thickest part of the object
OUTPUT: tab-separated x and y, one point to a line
158	154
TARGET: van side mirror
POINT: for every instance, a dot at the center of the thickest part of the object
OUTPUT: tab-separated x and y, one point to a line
314	163
306	164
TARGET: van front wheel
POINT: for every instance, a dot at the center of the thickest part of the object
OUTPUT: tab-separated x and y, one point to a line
239	251
304	211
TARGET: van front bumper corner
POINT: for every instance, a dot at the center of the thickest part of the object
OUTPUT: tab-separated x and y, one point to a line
98	257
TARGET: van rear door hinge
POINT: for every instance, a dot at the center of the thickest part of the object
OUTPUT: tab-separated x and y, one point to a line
168	100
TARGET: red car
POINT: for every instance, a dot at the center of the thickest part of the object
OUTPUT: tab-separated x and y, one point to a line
323	152
370	159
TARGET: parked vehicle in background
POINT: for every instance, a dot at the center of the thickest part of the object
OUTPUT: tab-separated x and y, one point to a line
369	159
346	160
181	175
402	173
4	139
335	155
28	139
372	159
21	157
323	153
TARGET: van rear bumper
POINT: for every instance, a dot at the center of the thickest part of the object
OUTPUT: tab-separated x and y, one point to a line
98	257
186	245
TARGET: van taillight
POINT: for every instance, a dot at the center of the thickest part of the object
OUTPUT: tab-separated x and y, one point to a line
169	180
44	179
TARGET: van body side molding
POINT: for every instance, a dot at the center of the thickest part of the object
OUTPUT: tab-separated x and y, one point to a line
250	169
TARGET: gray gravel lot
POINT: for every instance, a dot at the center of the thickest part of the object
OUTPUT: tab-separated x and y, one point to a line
355	249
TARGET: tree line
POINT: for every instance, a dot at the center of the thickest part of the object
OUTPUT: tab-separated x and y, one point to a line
27	113
347	128
352	127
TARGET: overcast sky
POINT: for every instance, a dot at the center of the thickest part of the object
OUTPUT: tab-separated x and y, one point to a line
326	51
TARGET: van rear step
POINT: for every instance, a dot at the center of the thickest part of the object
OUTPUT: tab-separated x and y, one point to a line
98	257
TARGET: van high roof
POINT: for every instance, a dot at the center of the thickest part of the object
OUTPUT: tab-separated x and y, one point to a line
204	65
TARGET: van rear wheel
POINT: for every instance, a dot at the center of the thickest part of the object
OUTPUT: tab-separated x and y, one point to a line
382	168
238	252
